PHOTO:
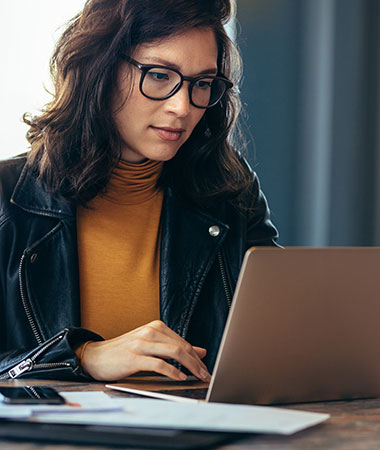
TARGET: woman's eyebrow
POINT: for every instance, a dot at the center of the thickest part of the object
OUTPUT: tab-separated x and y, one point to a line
165	62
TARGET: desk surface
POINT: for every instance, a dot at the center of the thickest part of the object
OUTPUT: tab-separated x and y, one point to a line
353	425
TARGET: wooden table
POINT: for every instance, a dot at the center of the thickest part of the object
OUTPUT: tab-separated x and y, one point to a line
354	425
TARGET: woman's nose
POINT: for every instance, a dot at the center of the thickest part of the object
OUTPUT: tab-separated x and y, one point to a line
179	103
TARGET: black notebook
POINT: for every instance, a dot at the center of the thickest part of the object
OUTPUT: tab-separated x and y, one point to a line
111	435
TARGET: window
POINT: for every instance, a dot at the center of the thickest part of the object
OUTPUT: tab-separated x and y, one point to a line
28	32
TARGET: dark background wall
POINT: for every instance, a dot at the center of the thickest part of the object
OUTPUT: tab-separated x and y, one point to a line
311	90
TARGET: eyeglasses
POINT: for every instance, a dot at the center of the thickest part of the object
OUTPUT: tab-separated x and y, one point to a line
160	83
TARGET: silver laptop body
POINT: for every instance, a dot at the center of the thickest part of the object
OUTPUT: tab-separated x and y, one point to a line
304	326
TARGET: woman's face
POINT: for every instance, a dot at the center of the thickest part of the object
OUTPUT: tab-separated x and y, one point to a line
153	129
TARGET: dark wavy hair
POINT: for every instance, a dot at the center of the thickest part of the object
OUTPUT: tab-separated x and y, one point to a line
75	144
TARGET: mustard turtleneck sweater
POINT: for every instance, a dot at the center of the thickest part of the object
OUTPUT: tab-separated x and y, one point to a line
119	251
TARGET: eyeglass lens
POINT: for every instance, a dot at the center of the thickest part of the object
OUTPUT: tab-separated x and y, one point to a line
159	83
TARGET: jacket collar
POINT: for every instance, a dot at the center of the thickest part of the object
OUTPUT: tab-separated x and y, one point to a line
31	195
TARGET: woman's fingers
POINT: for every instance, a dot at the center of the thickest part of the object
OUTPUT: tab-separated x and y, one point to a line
103	361
145	348
151	364
172	351
201	352
157	331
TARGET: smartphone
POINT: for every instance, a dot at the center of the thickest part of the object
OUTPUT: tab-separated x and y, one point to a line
30	395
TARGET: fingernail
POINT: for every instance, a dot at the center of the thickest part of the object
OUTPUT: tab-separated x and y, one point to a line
205	375
183	376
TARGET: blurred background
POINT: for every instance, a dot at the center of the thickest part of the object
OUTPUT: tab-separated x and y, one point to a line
312	94
311	91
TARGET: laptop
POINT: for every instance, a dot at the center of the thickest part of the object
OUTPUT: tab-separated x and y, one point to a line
304	326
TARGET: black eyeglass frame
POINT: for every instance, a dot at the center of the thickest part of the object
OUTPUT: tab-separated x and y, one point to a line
192	80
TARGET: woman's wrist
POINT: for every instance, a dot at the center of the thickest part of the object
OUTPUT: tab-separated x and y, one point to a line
80	351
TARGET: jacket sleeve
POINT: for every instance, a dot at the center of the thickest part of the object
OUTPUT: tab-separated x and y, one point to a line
260	229
54	356
53	359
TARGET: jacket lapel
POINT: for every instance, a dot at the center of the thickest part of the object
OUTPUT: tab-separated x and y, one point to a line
30	195
188	249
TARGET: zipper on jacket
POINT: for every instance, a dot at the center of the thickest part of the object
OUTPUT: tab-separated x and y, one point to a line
224	279
25	301
226	290
26	304
29	364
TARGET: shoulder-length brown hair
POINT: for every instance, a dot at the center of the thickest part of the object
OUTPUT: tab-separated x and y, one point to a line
75	144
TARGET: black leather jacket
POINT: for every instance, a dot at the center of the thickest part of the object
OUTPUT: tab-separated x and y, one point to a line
39	282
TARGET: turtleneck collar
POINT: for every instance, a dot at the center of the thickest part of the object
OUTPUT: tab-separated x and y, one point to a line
131	184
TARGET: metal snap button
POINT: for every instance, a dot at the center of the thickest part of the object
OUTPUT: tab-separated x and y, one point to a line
214	231
33	258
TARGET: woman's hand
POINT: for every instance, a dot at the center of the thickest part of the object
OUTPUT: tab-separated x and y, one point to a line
144	348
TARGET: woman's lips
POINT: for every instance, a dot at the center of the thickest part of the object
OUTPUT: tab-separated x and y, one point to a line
168	134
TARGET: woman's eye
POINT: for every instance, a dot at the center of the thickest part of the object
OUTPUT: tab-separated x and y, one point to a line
159	76
203	84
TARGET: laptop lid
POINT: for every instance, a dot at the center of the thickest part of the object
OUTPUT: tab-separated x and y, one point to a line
304	326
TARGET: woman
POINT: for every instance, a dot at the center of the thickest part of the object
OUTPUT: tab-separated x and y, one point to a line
122	231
